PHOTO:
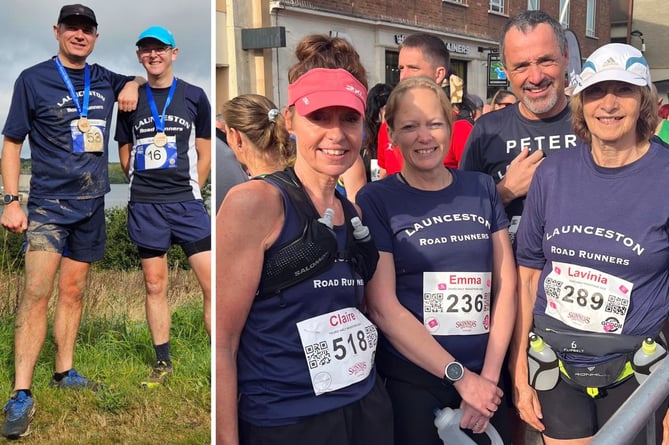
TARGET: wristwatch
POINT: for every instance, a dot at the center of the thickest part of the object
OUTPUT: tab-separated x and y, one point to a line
453	372
8	199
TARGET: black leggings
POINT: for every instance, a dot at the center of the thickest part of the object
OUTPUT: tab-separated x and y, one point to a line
415	394
586	415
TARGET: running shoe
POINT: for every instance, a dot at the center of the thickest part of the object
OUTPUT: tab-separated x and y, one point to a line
19	412
161	371
74	380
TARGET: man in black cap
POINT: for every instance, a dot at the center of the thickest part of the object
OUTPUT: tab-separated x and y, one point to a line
64	105
69	12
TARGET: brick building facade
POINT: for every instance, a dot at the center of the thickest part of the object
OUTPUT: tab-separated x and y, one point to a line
470	28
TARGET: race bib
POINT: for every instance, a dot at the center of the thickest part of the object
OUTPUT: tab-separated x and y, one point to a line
90	141
587	299
149	156
339	348
456	303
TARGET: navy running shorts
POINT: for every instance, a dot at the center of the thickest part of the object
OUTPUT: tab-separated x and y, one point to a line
74	228
156	227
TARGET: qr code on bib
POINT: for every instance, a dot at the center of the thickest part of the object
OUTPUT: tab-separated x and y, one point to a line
433	302
372	336
616	305
317	354
552	288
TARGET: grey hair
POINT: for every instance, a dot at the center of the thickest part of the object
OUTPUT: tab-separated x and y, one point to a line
528	20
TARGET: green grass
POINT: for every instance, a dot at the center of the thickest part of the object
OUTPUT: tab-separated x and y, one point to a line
117	351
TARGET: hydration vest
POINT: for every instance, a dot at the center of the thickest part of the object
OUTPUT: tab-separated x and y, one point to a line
315	249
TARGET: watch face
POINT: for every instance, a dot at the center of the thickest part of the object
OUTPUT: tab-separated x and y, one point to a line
7	199
454	371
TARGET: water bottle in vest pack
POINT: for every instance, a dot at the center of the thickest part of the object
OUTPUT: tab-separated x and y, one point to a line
447	421
544	370
360	231
326	219
647	358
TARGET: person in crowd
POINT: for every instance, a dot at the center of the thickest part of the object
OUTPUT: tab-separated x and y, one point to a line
229	172
374	117
443	294
257	134
295	354
511	143
220	128
477	103
165	150
65	224
502	99
465	115
662	130
588	277
420	54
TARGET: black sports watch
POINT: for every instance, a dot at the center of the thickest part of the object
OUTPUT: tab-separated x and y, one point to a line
453	372
8	199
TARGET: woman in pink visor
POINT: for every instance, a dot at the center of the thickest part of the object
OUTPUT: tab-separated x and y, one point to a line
295	353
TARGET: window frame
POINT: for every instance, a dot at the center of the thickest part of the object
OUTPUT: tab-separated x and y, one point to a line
591	18
496	6
565	23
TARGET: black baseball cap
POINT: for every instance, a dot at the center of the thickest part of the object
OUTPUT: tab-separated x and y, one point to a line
77	10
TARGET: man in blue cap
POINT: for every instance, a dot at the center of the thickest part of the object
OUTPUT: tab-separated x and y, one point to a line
64	106
165	149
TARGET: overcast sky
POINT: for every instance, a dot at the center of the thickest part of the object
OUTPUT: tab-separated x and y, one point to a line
27	29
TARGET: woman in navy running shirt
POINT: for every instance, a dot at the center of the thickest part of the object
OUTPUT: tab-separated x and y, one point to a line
444	290
593	252
297	365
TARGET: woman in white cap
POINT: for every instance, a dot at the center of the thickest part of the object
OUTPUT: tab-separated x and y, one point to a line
593	254
295	356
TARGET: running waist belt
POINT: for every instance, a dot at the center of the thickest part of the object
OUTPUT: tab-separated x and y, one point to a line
315	250
565	341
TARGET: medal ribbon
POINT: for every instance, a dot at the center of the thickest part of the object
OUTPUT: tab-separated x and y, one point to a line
160	120
81	109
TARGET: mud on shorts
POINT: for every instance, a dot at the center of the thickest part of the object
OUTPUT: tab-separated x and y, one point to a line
154	227
74	228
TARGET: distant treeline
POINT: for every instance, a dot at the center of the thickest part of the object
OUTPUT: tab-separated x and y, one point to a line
116	175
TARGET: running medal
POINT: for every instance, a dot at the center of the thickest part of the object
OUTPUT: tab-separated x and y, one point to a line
83	125
82	108
160	139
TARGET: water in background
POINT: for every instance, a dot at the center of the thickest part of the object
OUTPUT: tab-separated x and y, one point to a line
117	197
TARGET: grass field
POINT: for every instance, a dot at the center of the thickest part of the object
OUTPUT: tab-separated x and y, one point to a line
114	347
